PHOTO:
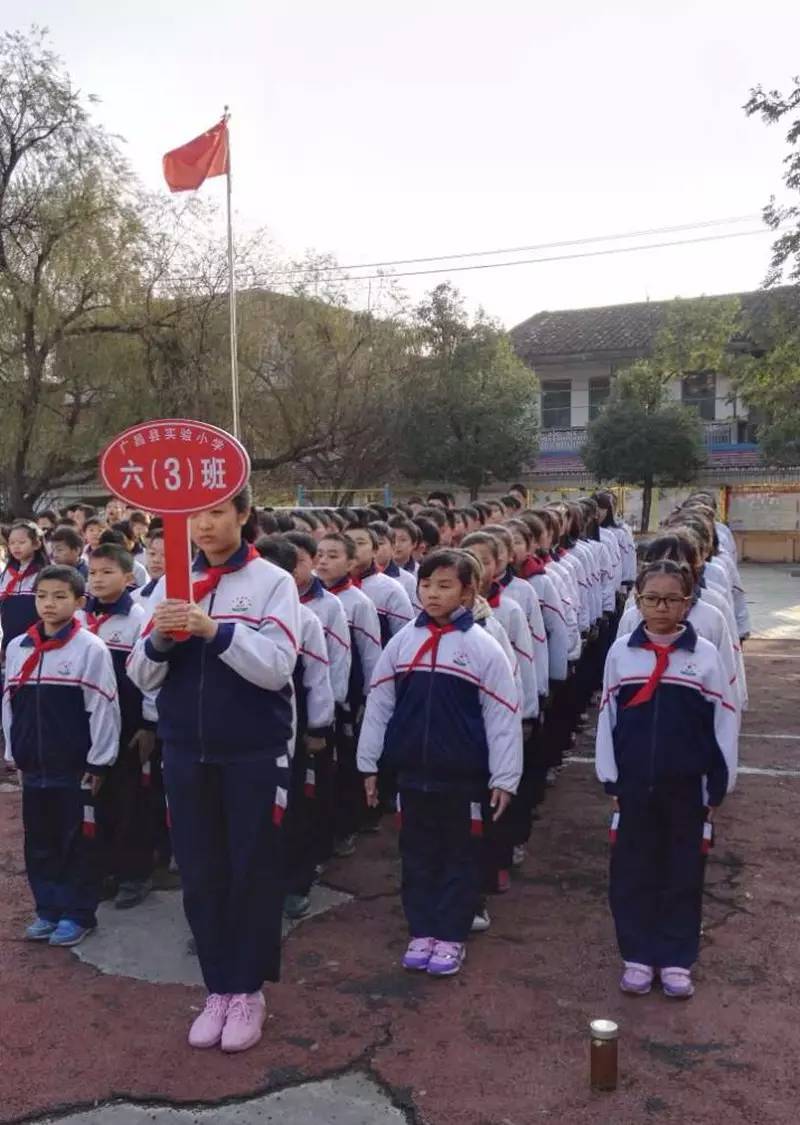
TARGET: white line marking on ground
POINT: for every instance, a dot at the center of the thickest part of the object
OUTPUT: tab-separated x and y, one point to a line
754	771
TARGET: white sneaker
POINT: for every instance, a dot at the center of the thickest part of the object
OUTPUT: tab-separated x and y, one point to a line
519	856
481	922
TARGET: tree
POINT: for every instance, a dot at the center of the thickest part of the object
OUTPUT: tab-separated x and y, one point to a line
470	405
768	379
643	438
68	232
773	106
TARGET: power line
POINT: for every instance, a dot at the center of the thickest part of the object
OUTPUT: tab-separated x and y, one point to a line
558	257
521	249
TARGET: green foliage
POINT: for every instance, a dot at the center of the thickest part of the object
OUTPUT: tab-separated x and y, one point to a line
470	405
772	106
770	385
696	336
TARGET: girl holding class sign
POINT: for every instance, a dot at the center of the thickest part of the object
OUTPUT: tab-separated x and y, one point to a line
226	720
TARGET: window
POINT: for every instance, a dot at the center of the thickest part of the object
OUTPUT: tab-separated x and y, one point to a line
700	391
557	405
598	396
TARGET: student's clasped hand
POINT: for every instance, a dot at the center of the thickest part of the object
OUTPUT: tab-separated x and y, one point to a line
371	790
174	616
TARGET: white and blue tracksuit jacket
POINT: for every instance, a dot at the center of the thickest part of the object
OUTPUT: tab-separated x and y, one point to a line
312	681
408	581
65	719
446	725
709	623
526	597
119	633
333	619
365	641
689	728
390	600
17	609
230	698
509	614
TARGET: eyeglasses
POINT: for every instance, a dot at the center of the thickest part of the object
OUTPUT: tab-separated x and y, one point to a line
653	601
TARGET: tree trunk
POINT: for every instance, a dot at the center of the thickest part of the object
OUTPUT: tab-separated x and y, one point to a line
647	502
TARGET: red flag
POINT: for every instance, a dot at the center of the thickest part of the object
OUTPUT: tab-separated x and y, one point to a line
186	168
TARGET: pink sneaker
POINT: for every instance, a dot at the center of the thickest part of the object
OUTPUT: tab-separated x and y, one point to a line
418	953
206	1031
447	958
243	1027
677	983
637	979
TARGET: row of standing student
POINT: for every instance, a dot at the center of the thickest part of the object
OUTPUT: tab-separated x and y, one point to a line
324	762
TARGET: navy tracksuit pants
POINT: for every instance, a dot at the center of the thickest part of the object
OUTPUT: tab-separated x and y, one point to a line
442	864
657	870
228	844
60	860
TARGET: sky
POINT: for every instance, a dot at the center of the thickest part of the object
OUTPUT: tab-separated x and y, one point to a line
377	131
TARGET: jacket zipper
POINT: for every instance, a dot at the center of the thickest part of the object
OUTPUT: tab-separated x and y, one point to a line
42	771
428	723
653	734
201	686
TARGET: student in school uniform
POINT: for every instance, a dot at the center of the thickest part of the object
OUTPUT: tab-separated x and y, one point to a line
66	549
334	563
147	597
515	830
61	723
442	712
406	540
387	595
384	560
726	562
428	539
92	530
315	705
155	563
663	690
706	619
139	576
226	719
124	811
331	616
26	557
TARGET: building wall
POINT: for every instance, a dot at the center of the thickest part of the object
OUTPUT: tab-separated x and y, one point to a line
579	374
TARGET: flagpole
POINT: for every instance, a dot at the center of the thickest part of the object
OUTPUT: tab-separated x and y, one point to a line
232	299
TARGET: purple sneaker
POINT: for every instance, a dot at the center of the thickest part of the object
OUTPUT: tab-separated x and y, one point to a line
677	983
637	979
418	953
447	958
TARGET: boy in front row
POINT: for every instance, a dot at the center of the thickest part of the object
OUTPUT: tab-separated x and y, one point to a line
61	723
442	710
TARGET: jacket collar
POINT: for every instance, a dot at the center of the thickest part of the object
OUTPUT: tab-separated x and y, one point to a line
236	560
462	619
687	639
121	606
64	631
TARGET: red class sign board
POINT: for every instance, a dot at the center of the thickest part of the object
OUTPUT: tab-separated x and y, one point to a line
175	467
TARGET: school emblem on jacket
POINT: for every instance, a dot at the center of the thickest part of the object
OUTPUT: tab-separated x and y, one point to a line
64	668
461	658
241	603
689	669
115	638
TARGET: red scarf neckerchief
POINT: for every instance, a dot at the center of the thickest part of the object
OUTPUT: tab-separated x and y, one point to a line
357	579
494	595
40	646
648	690
211	577
340	586
430	644
18	576
530	567
95	620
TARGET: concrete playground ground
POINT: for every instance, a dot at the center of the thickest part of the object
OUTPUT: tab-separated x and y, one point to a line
98	1036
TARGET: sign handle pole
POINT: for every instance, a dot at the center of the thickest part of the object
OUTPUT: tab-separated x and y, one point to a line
232	300
177	553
